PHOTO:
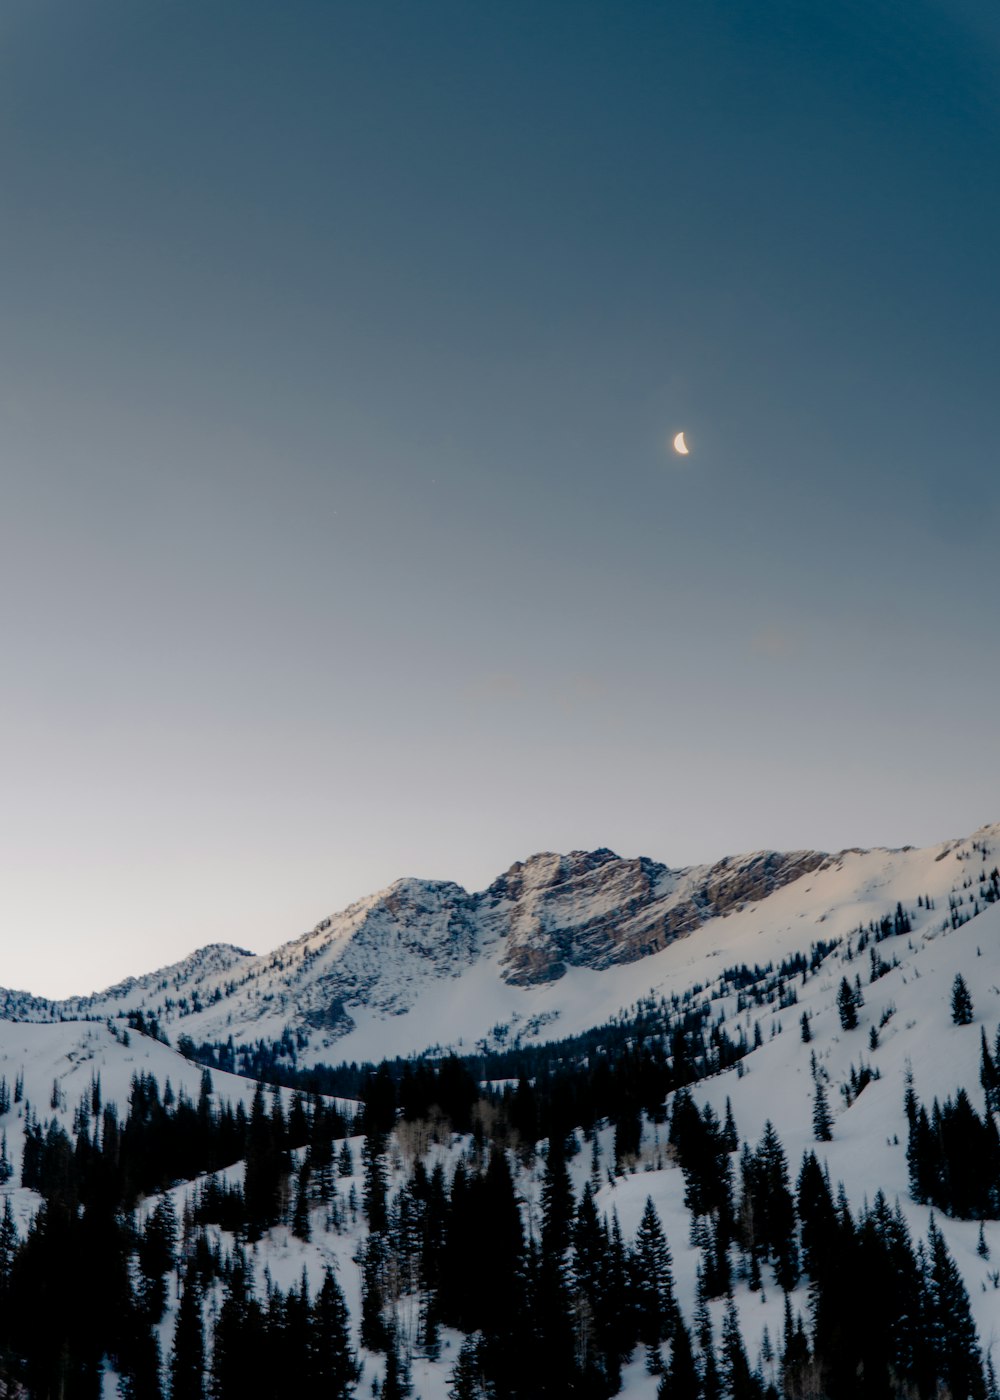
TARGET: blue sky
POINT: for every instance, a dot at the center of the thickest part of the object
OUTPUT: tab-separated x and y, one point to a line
341	349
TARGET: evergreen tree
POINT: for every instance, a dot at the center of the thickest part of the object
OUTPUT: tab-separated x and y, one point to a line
711	1380
263	1172
681	1381
618	1323
961	1002
397	1384
847	1005
952	1330
557	1202
741	1383
798	1374
372	1258
653	1285
157	1249
769	1208
376	1185
140	1361
300	1215
332	1366
594	1343
187	1361
8	1248
237	1365
822	1117
923	1156
628	1135
989	1076
992	1389
467	1379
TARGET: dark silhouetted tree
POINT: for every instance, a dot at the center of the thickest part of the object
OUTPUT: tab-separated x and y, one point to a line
961	1002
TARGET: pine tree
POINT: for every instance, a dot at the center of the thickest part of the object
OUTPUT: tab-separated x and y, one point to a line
157	1250
822	1117
681	1381
952	1330
590	1249
262	1176
989	1076
376	1186
557	1201
628	1135
238	1335
961	1002
372	1258
796	1360
141	1362
923	1157
300	1215
187	1361
333	1368
397	1384
847	1005
711	1381
653	1284
992	1389
741	1383
817	1215
618	1323
768	1209
467	1380
8	1249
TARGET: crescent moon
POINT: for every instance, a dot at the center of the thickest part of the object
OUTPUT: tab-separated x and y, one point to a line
680	445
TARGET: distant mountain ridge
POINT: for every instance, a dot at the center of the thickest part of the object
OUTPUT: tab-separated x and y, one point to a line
585	909
556	937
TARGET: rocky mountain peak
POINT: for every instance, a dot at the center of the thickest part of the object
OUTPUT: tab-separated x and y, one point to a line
594	908
547	870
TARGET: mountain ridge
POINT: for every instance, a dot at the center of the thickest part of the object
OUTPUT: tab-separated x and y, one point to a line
552	910
556	938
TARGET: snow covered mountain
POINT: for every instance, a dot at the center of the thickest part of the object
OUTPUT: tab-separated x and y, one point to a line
555	945
758	947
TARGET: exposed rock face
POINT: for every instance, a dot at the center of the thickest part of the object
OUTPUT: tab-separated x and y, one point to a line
592	909
580	910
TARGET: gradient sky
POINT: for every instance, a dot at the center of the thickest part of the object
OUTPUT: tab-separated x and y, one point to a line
341	345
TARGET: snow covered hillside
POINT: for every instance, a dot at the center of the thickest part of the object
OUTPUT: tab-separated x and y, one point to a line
51	1068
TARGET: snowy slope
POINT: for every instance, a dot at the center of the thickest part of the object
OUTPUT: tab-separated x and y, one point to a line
59	1063
868	1151
774	1082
